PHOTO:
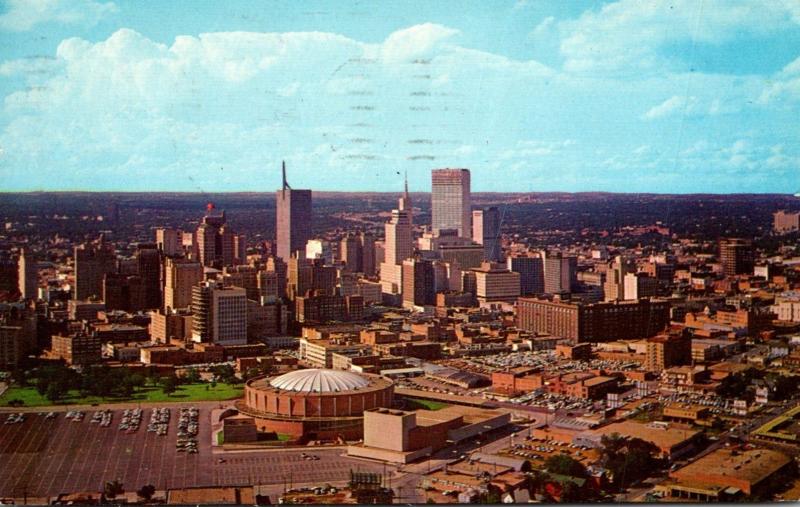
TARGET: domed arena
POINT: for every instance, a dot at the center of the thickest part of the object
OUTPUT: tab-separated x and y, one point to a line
315	404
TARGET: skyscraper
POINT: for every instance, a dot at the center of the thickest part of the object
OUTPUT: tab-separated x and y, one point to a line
560	273
180	276
217	244
418	283
92	262
28	273
614	287
486	231
398	245
294	219
531	273
169	241
148	259
451	201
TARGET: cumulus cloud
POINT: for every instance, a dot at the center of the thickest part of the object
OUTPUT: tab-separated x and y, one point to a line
674	104
630	34
23	15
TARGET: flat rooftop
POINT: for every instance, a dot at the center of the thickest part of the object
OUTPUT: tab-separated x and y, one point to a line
752	465
664	437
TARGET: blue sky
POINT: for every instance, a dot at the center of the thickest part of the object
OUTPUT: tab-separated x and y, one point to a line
626	96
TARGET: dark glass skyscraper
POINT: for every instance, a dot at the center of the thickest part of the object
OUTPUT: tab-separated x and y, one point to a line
294	225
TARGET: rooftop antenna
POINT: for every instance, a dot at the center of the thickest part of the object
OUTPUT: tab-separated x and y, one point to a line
285	183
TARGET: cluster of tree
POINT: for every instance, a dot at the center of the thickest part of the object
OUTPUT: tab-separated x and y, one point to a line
629	460
740	385
224	373
108	382
54	381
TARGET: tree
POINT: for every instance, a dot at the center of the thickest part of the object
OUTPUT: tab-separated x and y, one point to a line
565	465
147	491
55	391
113	488
169	384
192	376
629	459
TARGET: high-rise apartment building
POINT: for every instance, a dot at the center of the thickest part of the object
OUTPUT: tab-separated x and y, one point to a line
219	314
451	201
92	262
560	273
293	219
737	256
486	231
181	275
531	273
27	275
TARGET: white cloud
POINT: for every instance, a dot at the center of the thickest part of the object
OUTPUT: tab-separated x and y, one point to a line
23	15
674	104
785	85
630	34
416	42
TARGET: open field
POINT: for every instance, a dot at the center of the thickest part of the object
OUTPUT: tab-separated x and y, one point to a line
44	457
186	392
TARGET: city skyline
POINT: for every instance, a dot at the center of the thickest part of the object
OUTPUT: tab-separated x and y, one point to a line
658	97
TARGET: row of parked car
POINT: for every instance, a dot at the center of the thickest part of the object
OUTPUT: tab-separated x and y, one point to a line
15	418
131	419
159	421
187	430
75	415
102	418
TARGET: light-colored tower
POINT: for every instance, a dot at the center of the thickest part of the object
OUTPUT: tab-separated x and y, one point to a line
27	276
180	276
451	201
219	314
293	219
169	241
398	246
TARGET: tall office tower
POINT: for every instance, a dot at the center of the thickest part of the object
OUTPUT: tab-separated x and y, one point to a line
531	273
169	241
614	287
486	231
399	246
351	254
219	314
560	273
639	285
281	270
737	256
180	276
217	244
148	260
27	276
451	201
268	286
92	262
299	276
245	277
294	219
418	283
367	242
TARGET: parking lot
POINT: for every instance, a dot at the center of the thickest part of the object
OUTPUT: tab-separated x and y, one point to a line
43	456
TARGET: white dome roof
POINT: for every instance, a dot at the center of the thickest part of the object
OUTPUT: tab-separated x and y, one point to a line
319	381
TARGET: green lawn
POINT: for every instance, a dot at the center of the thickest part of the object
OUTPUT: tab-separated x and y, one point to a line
187	392
416	403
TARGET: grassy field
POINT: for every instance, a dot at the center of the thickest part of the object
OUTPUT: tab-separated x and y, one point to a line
416	403
187	392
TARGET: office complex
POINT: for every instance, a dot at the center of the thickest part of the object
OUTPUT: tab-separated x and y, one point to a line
596	322
293	219
451	201
220	314
560	273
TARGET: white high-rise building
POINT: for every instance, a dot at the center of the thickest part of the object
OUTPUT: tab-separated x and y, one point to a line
219	314
398	245
451	201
